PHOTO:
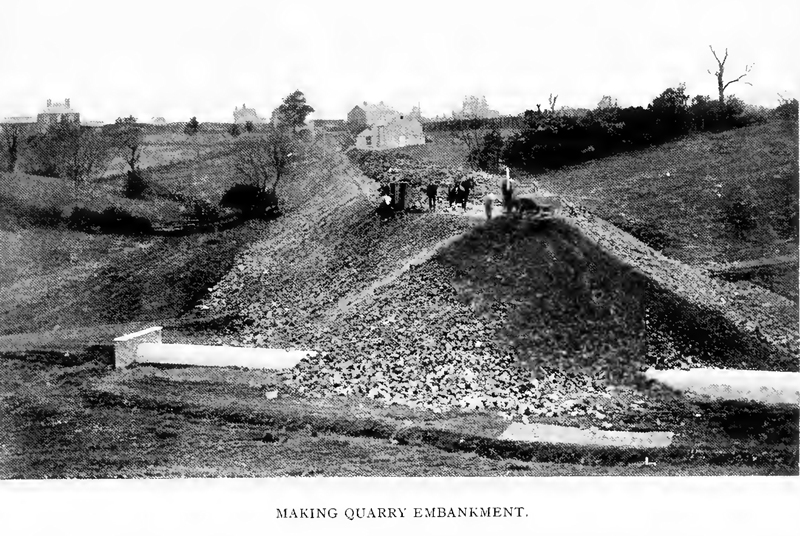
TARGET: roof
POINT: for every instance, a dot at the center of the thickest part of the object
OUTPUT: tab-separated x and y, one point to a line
19	120
58	108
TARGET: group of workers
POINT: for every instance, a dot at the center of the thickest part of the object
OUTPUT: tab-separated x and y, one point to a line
459	193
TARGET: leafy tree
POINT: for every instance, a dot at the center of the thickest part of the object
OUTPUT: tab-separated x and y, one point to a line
14	135
234	130
491	153
264	159
787	108
68	151
471	131
248	126
251	201
192	127
293	111
127	138
671	112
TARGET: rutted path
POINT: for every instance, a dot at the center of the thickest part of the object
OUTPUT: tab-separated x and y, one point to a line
350	300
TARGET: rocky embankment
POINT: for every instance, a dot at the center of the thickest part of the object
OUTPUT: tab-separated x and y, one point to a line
457	331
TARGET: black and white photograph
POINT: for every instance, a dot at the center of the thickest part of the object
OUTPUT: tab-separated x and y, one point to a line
295	241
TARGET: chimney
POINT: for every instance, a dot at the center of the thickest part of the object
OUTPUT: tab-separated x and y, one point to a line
66	101
48	103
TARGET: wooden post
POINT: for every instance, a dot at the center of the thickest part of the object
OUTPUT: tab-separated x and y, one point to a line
403	187
394	193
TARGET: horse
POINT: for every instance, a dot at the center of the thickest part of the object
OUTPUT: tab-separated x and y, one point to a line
542	209
459	192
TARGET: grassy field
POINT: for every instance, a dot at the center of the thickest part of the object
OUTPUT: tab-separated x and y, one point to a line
685	205
282	282
65	278
73	418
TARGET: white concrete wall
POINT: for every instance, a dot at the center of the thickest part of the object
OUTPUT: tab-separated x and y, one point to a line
758	385
125	347
219	356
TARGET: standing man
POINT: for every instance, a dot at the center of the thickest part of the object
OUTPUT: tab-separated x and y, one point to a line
452	192
488	204
432	191
385	210
507	187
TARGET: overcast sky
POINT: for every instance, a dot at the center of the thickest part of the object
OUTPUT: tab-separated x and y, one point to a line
181	59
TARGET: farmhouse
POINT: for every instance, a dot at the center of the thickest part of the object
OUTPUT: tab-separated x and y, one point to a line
371	114
55	112
246	114
400	131
19	120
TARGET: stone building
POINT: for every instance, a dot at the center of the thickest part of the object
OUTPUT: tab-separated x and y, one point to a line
399	131
55	112
369	115
246	114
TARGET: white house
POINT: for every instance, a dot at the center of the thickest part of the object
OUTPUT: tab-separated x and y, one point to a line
399	131
371	114
246	114
55	112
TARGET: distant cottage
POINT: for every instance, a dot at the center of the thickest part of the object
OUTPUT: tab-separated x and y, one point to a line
19	120
399	131
246	114
371	114
55	112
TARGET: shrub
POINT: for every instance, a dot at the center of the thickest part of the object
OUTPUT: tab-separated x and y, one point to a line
112	220
252	201
204	212
648	232
739	211
787	109
489	156
135	185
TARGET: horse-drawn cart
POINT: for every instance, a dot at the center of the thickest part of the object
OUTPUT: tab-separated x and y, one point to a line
535	208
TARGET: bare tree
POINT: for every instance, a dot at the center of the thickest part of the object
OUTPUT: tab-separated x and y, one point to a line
721	85
127	139
68	151
85	155
470	130
263	159
13	136
552	101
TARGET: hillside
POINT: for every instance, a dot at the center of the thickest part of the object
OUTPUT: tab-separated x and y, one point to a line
568	301
680	212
